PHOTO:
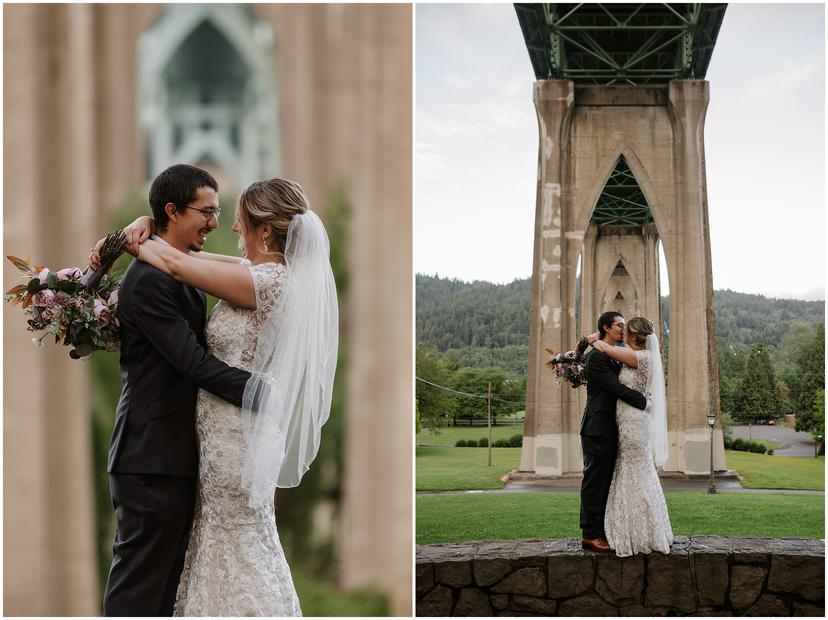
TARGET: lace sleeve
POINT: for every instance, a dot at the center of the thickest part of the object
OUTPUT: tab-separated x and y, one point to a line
643	367
267	283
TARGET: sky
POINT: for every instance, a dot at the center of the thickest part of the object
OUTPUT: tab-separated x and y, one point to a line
477	137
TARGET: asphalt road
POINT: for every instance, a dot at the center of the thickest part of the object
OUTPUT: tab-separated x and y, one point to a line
793	443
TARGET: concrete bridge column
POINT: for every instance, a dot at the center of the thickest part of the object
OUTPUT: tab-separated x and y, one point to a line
636	247
551	445
659	131
50	207
693	373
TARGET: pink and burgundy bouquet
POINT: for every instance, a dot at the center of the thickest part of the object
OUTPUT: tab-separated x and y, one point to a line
568	366
77	309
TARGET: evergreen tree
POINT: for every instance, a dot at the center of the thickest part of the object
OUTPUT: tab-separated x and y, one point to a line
758	393
811	363
818	420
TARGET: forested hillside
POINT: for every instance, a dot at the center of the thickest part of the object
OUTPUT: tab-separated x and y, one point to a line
452	314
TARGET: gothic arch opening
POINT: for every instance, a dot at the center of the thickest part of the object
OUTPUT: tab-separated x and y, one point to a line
208	92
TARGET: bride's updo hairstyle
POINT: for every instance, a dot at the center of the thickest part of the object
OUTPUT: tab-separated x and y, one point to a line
639	328
273	202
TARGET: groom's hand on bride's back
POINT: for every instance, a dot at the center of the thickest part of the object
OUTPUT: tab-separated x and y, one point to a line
649	398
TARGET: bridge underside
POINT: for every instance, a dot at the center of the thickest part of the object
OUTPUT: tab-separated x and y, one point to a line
620	43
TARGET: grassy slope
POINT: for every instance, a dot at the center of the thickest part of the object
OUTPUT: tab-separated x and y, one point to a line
440	469
760	471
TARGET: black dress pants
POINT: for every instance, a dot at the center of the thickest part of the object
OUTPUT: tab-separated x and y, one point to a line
599	454
154	514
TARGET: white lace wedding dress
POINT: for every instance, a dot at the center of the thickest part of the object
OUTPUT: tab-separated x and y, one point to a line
636	519
234	565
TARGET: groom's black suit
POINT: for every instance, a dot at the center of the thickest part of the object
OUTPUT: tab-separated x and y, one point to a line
599	437
153	456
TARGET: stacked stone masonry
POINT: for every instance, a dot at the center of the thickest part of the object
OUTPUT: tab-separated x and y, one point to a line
702	576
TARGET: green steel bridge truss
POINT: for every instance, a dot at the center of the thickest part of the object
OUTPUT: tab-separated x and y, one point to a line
620	43
622	201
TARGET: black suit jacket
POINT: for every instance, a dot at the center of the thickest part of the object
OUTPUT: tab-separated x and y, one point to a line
603	390
163	363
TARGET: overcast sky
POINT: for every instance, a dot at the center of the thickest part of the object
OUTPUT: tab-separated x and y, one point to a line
477	136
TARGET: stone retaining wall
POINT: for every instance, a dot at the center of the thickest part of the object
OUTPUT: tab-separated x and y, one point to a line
702	576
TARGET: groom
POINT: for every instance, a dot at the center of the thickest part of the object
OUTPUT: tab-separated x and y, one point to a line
599	432
153	456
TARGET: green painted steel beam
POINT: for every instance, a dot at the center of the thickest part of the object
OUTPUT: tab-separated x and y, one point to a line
621	201
645	43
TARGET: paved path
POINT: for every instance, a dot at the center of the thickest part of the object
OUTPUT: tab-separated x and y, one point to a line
793	443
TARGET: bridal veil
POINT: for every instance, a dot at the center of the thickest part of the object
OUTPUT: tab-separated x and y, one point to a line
288	397
658	411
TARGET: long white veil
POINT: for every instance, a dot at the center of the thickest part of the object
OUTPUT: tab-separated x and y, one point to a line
288	397
658	396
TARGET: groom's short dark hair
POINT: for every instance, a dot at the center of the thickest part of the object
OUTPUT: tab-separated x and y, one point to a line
178	184
606	320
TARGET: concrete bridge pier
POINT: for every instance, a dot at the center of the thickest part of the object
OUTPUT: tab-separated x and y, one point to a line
585	131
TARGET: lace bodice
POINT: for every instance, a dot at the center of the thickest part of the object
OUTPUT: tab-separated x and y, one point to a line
636	378
227	323
235	565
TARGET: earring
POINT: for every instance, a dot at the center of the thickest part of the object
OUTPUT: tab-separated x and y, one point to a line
266	250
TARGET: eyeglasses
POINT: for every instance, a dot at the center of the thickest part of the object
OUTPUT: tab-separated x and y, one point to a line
207	213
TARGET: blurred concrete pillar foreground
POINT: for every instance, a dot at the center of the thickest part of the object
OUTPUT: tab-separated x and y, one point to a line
48	518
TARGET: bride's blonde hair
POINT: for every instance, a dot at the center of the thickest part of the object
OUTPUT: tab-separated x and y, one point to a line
273	202
639	328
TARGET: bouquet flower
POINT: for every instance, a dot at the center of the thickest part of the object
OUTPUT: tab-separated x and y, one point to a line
63	304
568	366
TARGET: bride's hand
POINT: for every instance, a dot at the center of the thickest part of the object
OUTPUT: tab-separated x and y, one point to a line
138	232
599	345
592	338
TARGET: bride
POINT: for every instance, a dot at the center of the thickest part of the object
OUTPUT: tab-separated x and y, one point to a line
636	519
277	318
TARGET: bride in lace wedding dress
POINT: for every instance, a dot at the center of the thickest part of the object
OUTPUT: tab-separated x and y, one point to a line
636	519
277	318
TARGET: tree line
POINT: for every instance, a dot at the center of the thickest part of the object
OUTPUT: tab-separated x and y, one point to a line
770	351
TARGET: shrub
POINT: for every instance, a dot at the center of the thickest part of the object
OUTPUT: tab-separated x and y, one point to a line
738	444
756	447
770	452
461	443
516	441
471	443
483	443
501	443
728	442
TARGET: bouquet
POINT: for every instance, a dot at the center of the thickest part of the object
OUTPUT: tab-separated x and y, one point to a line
568	366
78	309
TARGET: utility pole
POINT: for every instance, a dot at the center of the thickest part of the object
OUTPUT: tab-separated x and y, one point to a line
489	402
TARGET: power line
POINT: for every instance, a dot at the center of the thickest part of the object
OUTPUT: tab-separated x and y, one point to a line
484	396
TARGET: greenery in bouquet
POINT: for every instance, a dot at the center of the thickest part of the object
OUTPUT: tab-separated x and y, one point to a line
60	304
568	367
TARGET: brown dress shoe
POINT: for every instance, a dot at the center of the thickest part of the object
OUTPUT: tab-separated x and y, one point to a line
595	544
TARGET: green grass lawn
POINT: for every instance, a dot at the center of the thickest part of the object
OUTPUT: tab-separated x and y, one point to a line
509	516
444	469
449	436
759	471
